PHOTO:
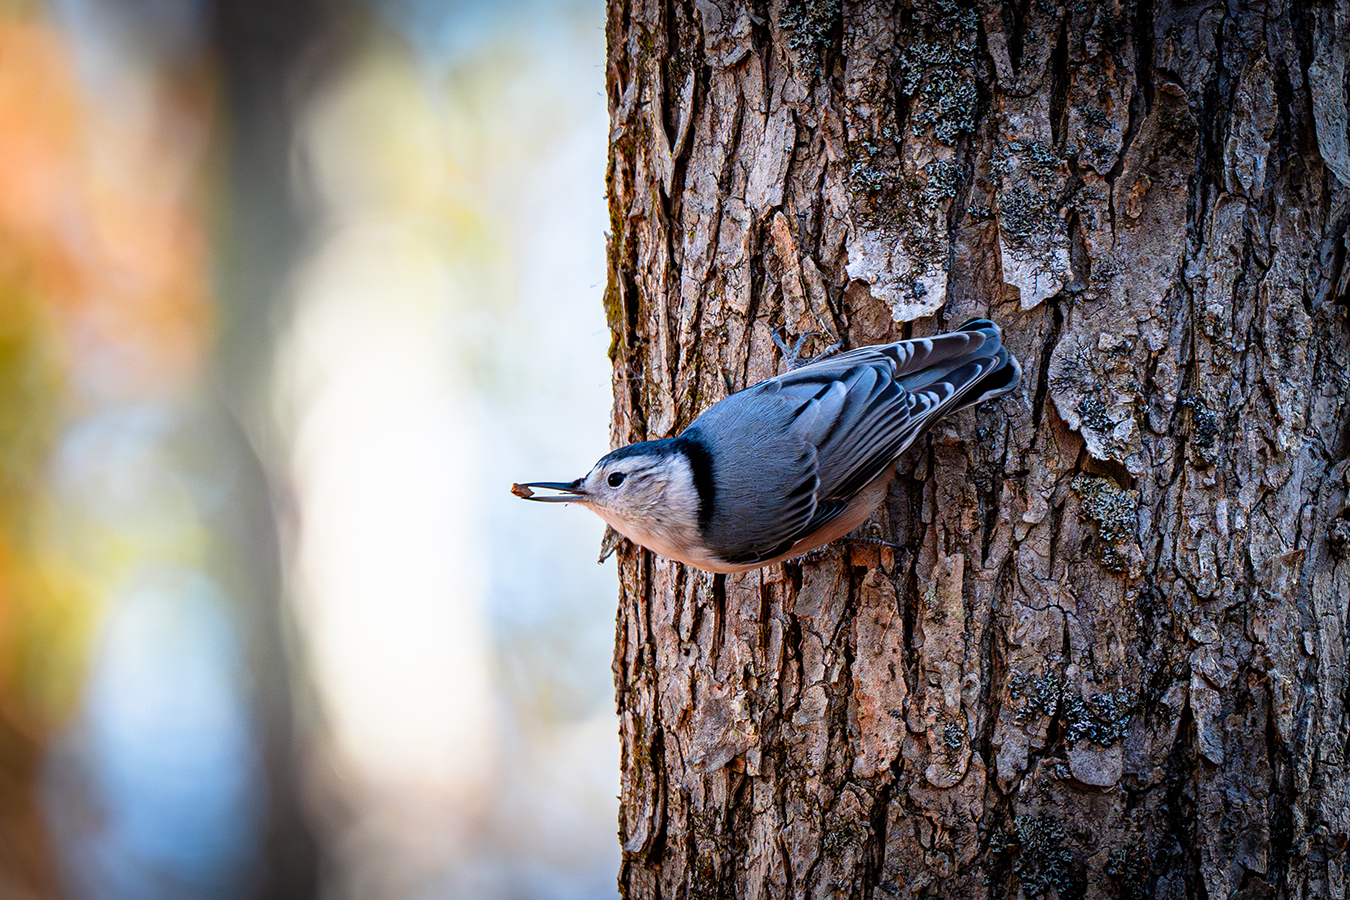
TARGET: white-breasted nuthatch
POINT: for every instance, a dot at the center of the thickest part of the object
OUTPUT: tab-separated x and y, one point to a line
794	462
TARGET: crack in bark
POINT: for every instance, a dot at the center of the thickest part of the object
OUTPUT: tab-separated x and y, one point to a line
1060	77
1050	342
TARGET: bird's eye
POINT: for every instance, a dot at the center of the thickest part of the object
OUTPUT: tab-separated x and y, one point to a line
616	479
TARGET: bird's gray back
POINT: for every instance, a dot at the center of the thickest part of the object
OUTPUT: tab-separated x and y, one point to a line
765	475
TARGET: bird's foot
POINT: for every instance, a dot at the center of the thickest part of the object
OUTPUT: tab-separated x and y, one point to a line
871	542
792	356
869	532
609	543
811	557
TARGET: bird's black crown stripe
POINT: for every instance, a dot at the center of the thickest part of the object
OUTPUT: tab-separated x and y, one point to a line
644	448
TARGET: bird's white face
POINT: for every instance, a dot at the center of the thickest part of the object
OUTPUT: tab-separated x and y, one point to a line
633	487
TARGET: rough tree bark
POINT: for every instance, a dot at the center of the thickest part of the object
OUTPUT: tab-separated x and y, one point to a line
1106	656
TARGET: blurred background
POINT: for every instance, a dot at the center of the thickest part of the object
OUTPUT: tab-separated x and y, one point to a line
290	293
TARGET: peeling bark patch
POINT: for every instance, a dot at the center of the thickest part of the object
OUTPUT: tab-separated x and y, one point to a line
1034	244
1327	78
900	247
1093	381
902	172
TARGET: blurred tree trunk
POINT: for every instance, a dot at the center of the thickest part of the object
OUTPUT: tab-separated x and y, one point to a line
1107	654
270	55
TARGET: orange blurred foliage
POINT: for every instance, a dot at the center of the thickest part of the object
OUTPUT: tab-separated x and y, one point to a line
104	290
102	199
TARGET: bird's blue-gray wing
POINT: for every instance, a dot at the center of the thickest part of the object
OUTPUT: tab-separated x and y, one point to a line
763	480
840	421
866	409
852	416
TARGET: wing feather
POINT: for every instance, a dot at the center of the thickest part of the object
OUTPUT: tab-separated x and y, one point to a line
846	418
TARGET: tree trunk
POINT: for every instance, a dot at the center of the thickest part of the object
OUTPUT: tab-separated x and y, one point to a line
262	46
1106	653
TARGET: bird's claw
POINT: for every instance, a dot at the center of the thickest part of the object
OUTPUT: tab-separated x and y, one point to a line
792	356
811	557
609	543
871	542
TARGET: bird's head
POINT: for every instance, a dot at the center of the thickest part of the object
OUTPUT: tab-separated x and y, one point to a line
636	489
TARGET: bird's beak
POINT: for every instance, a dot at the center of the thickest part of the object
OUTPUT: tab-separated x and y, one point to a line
571	491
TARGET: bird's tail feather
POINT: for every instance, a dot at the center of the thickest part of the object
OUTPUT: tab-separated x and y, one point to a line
1002	379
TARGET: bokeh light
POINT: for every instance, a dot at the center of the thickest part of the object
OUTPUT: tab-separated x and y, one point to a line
270	622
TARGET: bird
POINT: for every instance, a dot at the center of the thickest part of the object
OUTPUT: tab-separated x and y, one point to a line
794	462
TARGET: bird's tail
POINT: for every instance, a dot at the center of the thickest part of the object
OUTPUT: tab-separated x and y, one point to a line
1002	379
